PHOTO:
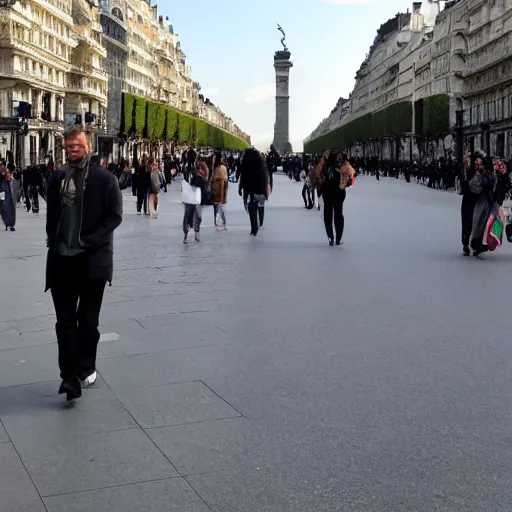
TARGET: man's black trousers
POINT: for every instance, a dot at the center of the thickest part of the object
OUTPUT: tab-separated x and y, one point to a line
77	300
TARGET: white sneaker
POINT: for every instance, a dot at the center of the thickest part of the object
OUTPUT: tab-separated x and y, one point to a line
89	381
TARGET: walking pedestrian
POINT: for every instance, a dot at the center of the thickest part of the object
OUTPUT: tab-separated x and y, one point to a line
85	206
468	198
254	186
7	198
143	183
154	189
193	213
333	175
219	190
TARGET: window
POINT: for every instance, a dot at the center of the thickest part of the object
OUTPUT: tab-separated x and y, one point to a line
33	150
492	110
117	13
500	144
499	109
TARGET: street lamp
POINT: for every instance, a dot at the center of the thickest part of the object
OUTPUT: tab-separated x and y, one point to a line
7	3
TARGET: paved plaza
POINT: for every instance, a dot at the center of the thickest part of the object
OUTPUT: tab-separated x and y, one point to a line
268	374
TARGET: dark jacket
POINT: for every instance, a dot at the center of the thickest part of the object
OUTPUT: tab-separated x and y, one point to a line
102	214
503	187
254	177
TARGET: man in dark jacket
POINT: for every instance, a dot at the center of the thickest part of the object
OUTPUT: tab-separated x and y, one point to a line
85	206
254	187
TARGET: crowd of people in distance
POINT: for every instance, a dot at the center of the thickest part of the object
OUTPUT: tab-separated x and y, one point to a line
85	206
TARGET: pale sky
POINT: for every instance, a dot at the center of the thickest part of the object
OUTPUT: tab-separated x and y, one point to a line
230	46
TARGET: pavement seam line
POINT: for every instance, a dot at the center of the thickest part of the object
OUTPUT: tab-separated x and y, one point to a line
112	487
224	400
154	443
24	466
196	422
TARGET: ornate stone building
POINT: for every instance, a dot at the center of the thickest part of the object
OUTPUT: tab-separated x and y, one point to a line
145	58
388	76
487	75
69	61
36	44
115	39
85	101
459	59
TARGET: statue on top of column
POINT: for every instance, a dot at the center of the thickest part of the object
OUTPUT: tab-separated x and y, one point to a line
284	37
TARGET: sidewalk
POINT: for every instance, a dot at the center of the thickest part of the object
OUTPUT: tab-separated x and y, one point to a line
112	449
268	374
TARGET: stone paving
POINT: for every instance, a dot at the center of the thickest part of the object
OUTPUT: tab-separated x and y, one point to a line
273	374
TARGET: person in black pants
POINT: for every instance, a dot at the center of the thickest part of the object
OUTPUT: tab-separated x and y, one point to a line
85	206
254	184
308	195
143	181
468	199
333	209
334	174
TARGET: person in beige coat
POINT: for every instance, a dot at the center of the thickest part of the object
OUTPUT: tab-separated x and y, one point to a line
219	190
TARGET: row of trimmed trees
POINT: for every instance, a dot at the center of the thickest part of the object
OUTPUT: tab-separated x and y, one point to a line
155	121
432	122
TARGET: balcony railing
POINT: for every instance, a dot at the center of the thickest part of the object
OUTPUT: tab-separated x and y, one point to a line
89	70
66	17
74	87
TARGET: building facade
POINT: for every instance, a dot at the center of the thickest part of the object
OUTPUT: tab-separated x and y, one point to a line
36	44
487	95
68	62
388	76
459	58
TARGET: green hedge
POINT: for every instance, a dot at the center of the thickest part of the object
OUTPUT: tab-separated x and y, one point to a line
186	129
141	107
158	121
171	127
127	113
391	121
436	116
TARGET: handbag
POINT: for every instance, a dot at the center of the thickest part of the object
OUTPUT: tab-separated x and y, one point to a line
190	194
493	235
206	199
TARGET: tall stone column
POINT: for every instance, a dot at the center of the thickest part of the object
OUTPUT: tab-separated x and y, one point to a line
282	65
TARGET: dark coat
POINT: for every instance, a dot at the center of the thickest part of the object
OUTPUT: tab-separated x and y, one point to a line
254	178
102	214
